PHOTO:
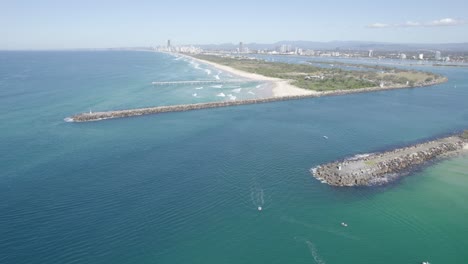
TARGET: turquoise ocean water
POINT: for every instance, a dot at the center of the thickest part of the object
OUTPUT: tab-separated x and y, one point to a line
185	187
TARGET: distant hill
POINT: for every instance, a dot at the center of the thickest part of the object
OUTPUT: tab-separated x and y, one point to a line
346	45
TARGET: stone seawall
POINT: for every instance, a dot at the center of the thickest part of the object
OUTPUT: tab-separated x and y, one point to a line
97	116
381	168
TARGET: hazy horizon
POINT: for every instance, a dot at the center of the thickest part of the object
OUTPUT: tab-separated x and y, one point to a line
87	24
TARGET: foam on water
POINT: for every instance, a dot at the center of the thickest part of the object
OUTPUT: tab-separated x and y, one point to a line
359	156
208	71
217	86
236	90
195	65
221	95
199	88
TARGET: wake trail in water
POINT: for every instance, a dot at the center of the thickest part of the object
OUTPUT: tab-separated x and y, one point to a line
257	197
261	197
314	252
319	227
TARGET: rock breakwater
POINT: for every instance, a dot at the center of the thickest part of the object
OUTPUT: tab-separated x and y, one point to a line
381	168
97	116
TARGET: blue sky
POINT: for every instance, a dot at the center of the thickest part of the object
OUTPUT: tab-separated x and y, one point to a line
48	24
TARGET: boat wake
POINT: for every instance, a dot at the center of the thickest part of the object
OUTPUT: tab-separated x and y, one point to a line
314	253
256	195
68	120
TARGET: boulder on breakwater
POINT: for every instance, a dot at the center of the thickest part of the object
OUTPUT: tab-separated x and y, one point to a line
381	168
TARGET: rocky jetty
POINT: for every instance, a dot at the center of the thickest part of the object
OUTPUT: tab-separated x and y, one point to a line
381	168
96	116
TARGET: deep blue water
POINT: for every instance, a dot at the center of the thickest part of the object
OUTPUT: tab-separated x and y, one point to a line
185	187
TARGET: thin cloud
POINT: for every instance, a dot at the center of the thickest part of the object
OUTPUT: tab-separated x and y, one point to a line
444	22
379	25
411	24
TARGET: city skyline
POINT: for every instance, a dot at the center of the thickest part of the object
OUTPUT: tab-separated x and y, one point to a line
67	25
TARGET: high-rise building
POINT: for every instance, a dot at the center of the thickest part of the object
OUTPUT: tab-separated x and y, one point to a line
403	56
421	56
371	53
241	47
168	43
437	55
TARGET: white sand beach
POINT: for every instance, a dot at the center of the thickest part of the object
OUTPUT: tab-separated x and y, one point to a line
280	87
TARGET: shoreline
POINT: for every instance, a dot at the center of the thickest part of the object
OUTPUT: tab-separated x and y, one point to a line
279	87
283	87
384	167
281	90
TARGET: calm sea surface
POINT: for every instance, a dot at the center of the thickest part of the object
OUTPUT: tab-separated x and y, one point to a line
185	187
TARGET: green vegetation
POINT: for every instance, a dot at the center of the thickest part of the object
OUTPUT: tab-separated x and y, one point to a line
326	79
465	134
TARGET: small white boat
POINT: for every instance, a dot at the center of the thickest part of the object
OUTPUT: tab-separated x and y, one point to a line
259	208
344	224
325	137
425	262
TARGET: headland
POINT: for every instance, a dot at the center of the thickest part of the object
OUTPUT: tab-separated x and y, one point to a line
381	168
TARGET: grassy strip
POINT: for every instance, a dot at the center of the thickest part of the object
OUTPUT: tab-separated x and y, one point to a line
326	79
